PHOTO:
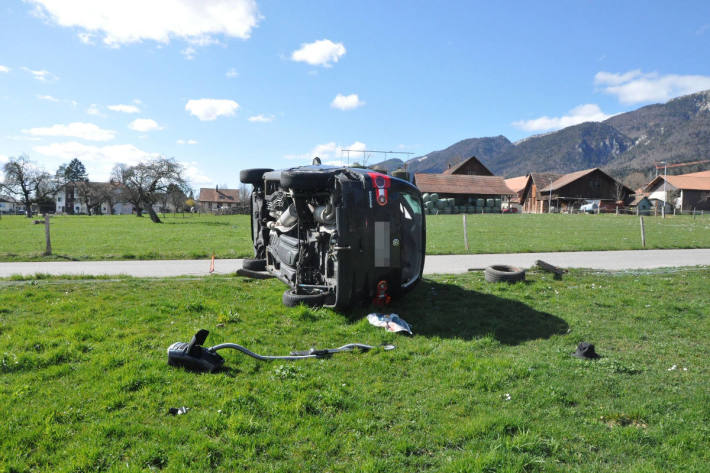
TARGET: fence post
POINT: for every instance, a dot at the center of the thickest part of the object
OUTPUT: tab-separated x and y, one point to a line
643	234
48	250
465	232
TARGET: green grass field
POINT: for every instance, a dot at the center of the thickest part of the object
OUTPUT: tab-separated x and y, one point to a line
486	384
198	236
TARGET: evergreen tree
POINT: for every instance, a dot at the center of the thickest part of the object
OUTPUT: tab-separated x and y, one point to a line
72	172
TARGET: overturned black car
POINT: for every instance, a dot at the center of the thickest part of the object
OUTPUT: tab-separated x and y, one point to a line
336	235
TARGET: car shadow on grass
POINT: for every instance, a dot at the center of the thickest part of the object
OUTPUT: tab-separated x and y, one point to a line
451	311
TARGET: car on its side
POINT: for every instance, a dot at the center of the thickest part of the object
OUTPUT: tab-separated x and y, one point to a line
337	236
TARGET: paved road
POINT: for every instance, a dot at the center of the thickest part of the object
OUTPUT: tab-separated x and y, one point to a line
446	264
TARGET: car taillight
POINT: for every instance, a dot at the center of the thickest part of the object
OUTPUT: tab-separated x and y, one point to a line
381	183
381	298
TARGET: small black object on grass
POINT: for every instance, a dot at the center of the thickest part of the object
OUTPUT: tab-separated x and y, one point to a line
503	273
585	351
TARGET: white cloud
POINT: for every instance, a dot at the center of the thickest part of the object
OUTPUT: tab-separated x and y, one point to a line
193	173
331	153
4	68
124	108
189	53
232	73
261	118
99	160
94	110
48	98
346	102
319	53
86	38
40	75
186	142
210	109
120	22
85	131
636	87
144	124
583	113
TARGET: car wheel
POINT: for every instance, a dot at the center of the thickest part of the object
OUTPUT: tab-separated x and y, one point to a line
291	299
253	176
504	273
254	264
305	180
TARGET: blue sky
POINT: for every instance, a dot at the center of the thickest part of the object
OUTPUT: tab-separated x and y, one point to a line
226	85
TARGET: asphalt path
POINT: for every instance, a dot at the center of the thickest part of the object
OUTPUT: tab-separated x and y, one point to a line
440	264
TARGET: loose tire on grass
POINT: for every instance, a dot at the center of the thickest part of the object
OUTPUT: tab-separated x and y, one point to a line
291	299
254	264
504	273
300	179
253	176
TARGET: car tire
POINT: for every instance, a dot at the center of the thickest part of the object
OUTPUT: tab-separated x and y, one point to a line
254	264
253	176
305	180
291	299
504	273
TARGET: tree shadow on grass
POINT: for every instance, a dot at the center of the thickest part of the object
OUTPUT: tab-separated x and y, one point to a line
451	311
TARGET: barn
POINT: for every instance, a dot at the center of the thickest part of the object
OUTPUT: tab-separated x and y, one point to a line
568	192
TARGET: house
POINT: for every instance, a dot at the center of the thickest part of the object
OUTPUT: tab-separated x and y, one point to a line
219	200
8	205
91	197
640	203
684	191
517	185
531	198
471	166
568	192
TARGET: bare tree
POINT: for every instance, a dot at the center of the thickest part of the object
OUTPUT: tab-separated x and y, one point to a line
148	180
119	176
176	197
27	182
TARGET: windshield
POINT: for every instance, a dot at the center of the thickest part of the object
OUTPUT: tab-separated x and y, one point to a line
412	235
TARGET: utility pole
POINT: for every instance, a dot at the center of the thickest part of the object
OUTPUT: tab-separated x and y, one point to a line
665	173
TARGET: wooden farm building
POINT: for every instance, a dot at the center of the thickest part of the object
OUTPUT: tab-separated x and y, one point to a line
469	186
471	166
684	191
531	198
517	185
568	192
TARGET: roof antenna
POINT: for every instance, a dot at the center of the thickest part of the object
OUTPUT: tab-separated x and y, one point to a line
316	161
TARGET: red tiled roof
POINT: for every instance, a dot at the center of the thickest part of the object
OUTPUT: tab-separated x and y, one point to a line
689	182
208	194
697	174
516	184
462	184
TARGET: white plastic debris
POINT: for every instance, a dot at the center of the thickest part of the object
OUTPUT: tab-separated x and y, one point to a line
391	322
672	368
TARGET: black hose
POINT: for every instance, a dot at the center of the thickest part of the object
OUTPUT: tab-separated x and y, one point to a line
299	356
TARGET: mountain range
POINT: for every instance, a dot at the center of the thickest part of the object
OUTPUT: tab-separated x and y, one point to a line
631	142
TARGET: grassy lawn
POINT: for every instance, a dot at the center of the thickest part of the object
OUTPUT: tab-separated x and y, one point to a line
198	236
124	237
486	384
498	233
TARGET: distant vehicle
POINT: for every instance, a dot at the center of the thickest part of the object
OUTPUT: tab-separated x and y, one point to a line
510	210
591	206
336	235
